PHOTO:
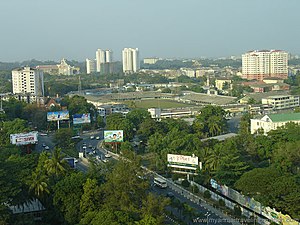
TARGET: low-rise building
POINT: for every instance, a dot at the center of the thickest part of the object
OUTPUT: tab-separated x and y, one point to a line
273	121
282	101
221	82
157	113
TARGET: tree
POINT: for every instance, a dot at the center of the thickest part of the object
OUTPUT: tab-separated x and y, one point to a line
56	165
38	183
137	116
123	189
67	196
287	157
153	206
211	120
63	138
91	198
11	127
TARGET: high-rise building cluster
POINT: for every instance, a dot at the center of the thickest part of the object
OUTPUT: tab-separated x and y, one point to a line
103	63
258	65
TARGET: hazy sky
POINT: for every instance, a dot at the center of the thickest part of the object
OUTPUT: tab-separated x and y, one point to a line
74	29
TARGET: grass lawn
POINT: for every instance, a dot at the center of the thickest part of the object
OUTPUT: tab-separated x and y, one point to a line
156	103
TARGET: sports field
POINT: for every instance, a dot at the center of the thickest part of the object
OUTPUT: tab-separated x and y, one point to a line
156	103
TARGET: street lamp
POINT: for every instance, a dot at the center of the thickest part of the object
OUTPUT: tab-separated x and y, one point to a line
207	215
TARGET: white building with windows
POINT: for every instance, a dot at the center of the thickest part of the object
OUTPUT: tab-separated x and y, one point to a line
28	81
263	64
103	57
130	58
90	66
273	121
281	101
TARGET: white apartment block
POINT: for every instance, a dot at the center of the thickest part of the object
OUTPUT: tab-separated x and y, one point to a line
281	101
150	60
103	56
263	64
272	122
90	66
130	58
28	81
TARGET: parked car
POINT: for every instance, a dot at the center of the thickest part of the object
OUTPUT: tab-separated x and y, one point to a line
47	148
97	138
44	145
92	137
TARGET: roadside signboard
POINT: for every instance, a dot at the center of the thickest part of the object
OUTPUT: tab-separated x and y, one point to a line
113	136
182	161
24	138
81	118
56	116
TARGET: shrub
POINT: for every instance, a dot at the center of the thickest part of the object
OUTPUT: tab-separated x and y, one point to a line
237	210
221	203
185	183
206	194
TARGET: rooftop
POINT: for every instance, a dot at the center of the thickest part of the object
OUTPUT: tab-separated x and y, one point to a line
284	117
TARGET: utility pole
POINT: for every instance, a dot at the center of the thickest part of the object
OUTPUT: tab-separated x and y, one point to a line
79	86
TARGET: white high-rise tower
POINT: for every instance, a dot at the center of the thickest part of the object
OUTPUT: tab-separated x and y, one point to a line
131	61
28	81
103	57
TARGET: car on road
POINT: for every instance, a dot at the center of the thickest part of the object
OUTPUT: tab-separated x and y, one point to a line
92	137
97	138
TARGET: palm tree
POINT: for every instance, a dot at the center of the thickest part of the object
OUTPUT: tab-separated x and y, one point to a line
38	183
214	159
56	165
214	125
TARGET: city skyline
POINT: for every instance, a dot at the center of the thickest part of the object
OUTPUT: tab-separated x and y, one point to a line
168	29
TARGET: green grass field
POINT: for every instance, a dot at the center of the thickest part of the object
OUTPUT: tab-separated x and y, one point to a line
155	103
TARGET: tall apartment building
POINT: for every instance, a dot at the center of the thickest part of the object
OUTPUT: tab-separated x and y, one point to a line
103	57
90	66
258	65
28	81
130	58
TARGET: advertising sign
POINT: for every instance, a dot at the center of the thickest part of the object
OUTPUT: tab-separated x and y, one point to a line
113	136
24	138
81	118
60	115
182	161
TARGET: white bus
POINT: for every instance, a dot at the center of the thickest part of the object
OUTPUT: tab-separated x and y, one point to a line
160	182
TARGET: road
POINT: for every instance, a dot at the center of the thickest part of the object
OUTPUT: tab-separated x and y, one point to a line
82	165
233	124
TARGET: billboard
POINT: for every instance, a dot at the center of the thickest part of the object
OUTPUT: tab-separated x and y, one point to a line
60	115
24	138
113	136
81	118
182	161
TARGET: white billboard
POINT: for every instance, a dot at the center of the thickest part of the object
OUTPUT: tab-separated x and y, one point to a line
24	138
182	161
